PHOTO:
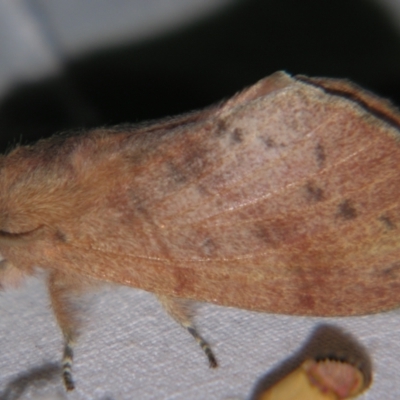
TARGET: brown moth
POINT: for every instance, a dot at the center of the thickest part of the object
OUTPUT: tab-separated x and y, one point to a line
285	199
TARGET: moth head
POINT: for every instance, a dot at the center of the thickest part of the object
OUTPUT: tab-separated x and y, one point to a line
31	205
34	192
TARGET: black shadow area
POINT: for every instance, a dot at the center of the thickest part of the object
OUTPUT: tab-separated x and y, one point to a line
199	64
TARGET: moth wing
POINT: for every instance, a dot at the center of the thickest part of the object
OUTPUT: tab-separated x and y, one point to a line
284	199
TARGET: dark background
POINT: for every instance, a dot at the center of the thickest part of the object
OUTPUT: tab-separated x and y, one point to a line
208	61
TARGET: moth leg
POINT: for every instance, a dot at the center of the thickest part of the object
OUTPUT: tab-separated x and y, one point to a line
181	310
63	290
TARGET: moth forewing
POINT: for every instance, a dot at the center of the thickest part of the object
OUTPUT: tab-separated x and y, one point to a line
283	199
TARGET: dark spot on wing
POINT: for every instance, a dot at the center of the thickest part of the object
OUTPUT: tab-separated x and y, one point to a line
177	174
221	128
262	232
391	272
313	192
138	203
203	190
346	210
209	247
389	224
237	136
61	236
320	155
268	141
268	235
188	164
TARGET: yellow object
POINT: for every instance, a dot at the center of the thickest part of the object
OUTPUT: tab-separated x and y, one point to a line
313	380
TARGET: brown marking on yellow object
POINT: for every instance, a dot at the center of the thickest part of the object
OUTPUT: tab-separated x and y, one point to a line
318	380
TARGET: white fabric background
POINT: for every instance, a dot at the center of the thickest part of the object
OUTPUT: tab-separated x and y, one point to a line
130	349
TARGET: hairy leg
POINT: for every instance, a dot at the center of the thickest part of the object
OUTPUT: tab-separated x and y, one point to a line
181	310
64	289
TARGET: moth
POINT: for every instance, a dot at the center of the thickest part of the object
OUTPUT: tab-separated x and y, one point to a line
284	199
